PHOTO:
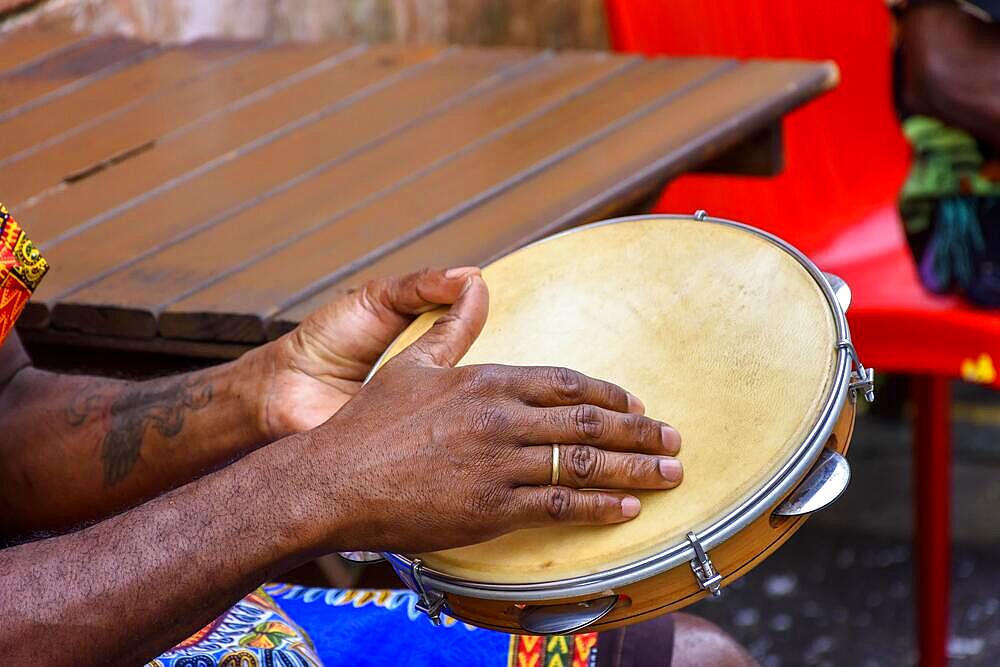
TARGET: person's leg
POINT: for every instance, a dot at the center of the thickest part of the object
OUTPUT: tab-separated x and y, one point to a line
701	642
677	640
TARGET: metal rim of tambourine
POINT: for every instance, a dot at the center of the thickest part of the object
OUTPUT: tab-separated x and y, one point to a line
718	531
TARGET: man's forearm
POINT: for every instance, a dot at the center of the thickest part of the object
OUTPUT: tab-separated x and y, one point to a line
126	589
79	448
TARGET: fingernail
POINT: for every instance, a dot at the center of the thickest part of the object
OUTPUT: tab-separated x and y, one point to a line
635	406
671	470
460	272
466	286
630	507
671	439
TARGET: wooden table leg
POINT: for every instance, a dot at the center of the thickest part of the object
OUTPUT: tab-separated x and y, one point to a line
932	507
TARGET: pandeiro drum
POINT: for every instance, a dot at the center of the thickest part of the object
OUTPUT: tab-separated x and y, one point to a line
724	331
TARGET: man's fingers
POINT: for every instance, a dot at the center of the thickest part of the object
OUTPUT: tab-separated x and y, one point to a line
536	506
453	333
416	293
590	425
584	467
551	386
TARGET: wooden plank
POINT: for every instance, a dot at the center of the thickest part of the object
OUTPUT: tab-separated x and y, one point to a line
263	74
595	182
71	69
213	139
126	302
234	309
25	47
248	103
253	98
162	179
389	104
155	75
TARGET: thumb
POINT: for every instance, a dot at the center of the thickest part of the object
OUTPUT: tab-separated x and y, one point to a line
451	336
422	291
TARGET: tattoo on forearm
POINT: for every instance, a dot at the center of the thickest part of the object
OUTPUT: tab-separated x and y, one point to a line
86	404
160	404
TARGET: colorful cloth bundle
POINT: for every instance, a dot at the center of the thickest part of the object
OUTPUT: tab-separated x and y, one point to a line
22	267
950	205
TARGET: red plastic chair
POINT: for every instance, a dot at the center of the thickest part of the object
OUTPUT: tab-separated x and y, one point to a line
836	200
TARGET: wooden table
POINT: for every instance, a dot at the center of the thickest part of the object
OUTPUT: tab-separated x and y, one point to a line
201	199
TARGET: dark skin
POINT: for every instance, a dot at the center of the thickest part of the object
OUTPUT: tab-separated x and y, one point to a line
951	68
469	446
82	448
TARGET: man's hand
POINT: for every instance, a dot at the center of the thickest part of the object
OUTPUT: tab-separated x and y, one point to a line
314	370
107	444
428	456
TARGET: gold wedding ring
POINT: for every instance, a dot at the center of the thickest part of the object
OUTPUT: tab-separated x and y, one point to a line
555	465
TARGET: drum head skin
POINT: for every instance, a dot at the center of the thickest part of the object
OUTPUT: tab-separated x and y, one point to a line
719	331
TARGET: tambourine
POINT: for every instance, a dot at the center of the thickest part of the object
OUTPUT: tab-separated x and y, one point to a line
724	331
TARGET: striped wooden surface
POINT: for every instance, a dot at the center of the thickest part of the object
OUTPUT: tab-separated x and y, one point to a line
204	198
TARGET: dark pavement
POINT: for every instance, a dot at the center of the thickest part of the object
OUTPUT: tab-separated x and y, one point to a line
829	598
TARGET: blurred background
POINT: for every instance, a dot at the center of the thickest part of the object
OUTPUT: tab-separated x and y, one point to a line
841	591
564	24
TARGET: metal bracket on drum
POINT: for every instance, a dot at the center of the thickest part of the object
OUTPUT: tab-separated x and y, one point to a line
862	379
704	571
430	603
700	215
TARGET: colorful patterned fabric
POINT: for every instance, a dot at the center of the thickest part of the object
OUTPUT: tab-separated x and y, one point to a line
362	628
254	633
384	627
560	650
22	267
